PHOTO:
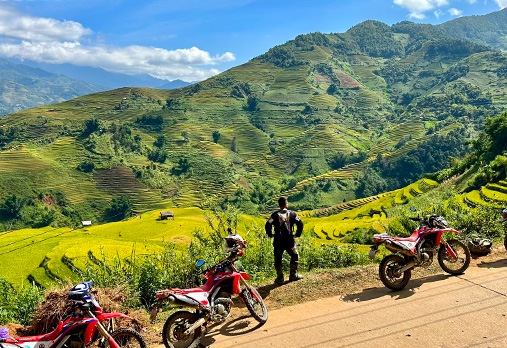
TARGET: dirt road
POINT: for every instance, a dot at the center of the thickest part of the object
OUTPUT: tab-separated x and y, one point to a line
433	311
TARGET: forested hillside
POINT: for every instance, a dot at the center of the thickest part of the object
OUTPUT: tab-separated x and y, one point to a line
323	118
489	29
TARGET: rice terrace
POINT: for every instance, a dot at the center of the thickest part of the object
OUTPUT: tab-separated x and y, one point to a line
135	145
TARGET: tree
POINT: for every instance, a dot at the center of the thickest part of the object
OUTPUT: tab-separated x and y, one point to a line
234	147
12	206
119	208
157	155
160	142
252	103
184	164
332	89
91	125
86	167
216	136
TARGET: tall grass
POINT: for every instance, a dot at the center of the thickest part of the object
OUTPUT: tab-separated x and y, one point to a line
17	306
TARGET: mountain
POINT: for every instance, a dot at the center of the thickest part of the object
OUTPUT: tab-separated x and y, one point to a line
23	87
489	29
105	78
174	84
323	118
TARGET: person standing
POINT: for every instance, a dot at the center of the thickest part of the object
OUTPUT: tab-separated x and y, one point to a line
283	222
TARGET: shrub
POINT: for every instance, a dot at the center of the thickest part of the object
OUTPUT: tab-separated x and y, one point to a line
119	209
86	167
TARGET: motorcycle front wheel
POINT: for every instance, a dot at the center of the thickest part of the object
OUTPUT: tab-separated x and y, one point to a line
255	304
128	338
455	265
175	326
390	275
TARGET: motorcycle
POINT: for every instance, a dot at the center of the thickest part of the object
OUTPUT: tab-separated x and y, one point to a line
419	250
87	325
503	220
211	301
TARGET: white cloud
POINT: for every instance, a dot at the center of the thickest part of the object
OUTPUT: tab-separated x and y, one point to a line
417	8
15	25
455	12
57	42
472	1
438	13
501	3
158	62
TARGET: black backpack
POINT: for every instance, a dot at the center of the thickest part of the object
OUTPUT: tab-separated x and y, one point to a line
284	222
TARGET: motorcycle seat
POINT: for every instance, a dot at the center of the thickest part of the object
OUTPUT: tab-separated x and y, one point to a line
412	238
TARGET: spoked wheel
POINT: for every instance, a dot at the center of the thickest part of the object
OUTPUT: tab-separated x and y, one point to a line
454	265
174	335
390	275
255	304
128	338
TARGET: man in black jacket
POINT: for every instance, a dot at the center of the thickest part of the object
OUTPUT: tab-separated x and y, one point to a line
283	221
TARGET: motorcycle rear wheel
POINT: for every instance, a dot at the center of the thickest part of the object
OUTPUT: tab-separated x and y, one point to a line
463	255
257	308
174	328
388	272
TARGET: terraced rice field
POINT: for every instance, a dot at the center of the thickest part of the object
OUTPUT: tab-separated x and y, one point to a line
364	213
59	254
410	129
492	195
19	159
121	181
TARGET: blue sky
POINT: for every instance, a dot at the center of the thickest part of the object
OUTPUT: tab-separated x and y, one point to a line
192	39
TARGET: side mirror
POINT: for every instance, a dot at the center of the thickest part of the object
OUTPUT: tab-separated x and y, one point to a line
413	209
200	263
433	210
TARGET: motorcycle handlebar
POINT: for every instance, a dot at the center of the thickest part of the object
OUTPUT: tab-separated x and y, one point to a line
415	219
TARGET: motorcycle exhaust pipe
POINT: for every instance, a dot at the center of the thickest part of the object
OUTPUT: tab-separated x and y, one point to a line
194	326
408	266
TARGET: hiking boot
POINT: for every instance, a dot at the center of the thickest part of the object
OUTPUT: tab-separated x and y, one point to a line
294	276
279	276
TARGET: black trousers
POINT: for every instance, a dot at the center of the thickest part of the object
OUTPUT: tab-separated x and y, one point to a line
285	244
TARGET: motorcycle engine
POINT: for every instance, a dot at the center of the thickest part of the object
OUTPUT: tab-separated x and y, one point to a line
426	252
222	307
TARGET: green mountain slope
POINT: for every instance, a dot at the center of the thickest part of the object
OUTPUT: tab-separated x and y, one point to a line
489	29
307	118
23	87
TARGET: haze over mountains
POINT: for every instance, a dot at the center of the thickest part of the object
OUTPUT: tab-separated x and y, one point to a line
27	84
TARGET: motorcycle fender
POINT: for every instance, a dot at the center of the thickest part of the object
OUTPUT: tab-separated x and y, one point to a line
244	275
106	316
235	286
90	332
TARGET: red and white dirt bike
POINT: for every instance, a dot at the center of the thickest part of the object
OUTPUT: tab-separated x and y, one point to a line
87	326
418	250
212	301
